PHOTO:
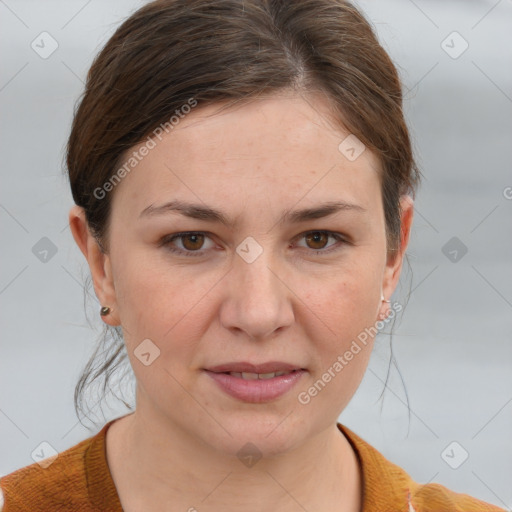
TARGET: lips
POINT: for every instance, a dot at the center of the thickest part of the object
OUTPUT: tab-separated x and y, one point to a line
253	386
254	376
259	369
256	383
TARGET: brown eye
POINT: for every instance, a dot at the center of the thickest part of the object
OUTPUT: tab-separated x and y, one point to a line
316	241
192	242
319	239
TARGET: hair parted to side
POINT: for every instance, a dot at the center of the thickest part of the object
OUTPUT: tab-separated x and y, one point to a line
231	51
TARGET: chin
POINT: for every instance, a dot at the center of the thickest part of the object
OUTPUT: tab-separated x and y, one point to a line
272	433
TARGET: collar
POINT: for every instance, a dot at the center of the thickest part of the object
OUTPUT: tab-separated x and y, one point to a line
100	485
386	486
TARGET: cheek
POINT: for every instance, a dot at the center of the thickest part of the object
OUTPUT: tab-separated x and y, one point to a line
161	304
353	302
340	329
345	305
140	296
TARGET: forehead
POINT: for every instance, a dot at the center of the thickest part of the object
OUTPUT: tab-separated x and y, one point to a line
283	146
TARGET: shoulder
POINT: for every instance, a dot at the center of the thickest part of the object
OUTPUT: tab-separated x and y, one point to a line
388	487
55	483
434	497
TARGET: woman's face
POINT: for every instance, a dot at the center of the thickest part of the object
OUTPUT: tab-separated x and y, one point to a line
270	285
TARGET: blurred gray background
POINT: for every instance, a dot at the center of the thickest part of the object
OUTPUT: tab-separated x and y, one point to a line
453	346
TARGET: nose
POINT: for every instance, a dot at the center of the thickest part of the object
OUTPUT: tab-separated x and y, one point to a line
258	301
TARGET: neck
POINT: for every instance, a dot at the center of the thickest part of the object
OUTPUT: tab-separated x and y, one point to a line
167	465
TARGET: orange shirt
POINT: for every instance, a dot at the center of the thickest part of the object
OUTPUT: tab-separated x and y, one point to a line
79	480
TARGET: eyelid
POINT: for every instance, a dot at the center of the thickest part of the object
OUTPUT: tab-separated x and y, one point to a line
334	234
168	239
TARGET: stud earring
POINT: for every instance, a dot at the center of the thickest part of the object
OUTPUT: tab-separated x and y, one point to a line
105	310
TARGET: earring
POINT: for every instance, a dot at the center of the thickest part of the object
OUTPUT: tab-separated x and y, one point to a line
105	310
382	315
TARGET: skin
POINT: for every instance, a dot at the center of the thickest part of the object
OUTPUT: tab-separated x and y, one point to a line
178	449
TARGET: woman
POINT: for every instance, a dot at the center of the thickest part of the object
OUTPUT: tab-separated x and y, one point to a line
244	185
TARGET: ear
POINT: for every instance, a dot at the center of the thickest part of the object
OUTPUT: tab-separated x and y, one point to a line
99	263
395	260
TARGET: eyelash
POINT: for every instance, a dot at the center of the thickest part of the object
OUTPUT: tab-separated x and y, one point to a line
167	240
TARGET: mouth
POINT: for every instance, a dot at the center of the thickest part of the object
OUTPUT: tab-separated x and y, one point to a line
255	369
256	383
254	376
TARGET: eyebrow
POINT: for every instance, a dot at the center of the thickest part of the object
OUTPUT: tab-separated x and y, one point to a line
206	213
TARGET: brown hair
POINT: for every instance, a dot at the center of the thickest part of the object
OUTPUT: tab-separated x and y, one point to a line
213	51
